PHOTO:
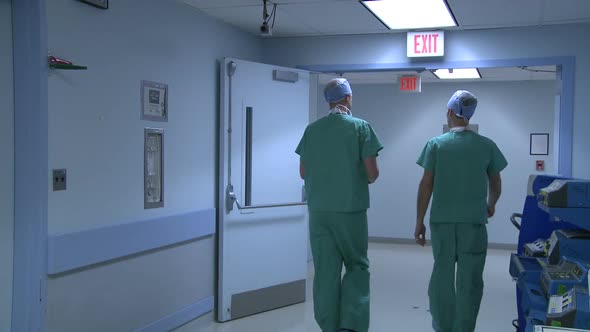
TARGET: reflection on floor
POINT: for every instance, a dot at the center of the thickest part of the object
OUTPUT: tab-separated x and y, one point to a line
399	301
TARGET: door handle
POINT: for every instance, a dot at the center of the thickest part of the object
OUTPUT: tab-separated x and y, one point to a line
231	198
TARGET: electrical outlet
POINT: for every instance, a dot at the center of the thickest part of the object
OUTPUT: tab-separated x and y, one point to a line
59	179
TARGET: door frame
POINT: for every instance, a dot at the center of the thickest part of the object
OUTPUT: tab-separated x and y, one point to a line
31	180
566	84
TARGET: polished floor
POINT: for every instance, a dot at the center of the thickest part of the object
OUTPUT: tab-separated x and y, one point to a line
399	301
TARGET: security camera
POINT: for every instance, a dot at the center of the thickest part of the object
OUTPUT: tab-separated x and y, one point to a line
265	30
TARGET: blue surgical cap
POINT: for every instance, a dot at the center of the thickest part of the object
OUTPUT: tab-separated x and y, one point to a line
336	90
463	104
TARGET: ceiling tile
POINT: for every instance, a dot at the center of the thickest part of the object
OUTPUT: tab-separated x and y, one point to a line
249	19
497	13
564	11
329	17
307	1
202	4
342	17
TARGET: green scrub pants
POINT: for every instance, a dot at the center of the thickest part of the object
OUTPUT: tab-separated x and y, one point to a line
454	303
336	239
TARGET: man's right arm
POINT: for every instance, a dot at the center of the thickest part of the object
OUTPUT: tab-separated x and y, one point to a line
424	194
301	170
495	190
497	164
372	169
370	147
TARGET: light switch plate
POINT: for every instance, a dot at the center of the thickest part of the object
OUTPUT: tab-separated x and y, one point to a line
59	179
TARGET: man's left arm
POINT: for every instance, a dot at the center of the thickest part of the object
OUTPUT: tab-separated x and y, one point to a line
497	164
427	160
424	194
300	150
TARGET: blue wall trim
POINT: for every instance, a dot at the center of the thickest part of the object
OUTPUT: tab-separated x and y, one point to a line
31	178
567	63
76	250
180	317
347	68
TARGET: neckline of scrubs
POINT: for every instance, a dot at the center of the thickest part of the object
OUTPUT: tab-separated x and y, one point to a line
338	111
457	129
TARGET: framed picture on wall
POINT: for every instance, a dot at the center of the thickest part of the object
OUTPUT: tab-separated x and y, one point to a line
102	4
539	145
154	101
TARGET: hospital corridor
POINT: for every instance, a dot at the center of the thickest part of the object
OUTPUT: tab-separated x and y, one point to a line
294	166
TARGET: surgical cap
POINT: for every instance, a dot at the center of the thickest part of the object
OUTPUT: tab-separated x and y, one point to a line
463	104
336	90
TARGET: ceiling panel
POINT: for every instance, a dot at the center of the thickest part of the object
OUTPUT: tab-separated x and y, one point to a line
335	17
566	11
307	1
202	4
341	17
249	18
497	13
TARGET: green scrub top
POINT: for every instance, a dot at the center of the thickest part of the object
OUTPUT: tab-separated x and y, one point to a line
461	163
332	151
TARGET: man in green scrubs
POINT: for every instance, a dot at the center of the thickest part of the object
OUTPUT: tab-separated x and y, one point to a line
338	160
462	173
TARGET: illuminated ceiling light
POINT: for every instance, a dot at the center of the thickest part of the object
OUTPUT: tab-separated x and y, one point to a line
412	14
457	74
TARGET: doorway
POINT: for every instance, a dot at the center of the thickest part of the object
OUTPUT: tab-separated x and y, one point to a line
514	103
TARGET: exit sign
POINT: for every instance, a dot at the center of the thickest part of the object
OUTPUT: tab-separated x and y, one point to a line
410	84
426	44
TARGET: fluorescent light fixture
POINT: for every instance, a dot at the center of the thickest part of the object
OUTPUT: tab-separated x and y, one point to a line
457	74
412	14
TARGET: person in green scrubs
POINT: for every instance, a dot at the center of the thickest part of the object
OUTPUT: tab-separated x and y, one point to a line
338	155
462	174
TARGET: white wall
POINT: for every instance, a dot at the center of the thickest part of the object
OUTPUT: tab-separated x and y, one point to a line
127	295
563	40
507	113
94	126
95	132
7	169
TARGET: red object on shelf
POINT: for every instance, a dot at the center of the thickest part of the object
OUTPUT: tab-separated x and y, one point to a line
55	60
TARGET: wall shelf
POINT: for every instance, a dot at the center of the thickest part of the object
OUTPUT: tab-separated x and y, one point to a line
66	67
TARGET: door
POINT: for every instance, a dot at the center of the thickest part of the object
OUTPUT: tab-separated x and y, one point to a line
262	217
7	168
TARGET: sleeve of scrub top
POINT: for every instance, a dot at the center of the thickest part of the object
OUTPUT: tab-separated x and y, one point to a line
370	144
497	162
301	147
427	158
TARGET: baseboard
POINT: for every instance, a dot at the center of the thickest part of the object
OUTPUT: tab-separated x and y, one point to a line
392	240
181	317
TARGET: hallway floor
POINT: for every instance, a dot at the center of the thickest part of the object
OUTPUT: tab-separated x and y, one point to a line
399	301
